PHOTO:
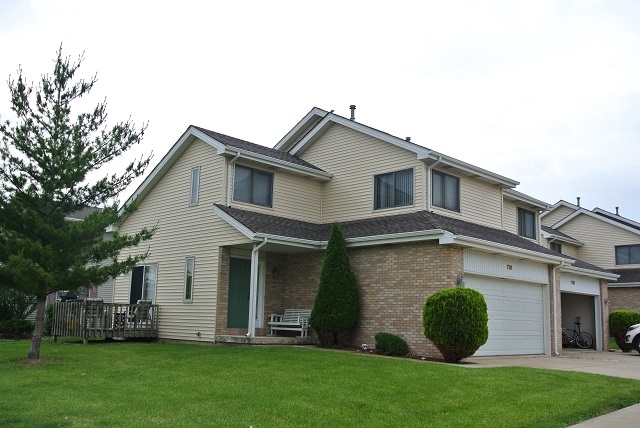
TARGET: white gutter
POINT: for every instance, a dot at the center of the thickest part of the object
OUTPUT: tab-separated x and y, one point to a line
253	288
555	314
231	163
430	183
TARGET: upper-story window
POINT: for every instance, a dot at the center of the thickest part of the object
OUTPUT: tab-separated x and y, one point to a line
195	184
554	246
627	254
526	223
394	189
445	191
253	186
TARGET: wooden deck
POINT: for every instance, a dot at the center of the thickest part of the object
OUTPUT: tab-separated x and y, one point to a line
95	319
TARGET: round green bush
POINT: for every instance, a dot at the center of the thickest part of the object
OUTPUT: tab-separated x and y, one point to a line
619	323
390	344
456	321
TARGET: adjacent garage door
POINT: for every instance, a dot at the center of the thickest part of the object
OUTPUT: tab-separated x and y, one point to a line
516	315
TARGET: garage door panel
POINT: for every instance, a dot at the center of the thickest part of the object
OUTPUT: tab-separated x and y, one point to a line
516	314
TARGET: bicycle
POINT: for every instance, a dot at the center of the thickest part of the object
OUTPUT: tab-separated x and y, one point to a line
581	339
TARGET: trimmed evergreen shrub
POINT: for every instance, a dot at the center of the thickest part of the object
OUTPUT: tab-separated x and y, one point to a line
337	305
16	329
619	323
390	344
456	321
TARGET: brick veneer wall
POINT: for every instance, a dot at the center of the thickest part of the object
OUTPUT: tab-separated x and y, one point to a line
394	281
624	298
553	328
604	295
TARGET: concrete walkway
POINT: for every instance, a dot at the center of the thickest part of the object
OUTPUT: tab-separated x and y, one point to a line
617	364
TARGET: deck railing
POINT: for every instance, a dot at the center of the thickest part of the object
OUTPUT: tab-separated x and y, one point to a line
91	319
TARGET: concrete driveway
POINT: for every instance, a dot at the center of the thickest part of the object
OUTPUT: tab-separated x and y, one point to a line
618	364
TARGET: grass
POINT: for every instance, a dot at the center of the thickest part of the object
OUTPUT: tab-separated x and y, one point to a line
157	384
612	343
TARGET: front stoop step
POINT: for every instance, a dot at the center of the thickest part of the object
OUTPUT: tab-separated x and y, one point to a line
265	340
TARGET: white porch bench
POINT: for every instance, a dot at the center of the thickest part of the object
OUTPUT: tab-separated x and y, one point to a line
292	320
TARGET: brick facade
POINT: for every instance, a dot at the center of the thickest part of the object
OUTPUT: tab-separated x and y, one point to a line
394	282
624	298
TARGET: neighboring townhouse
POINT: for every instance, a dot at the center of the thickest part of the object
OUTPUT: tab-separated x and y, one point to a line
242	230
602	238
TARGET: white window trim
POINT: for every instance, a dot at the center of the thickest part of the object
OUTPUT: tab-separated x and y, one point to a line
197	190
186	270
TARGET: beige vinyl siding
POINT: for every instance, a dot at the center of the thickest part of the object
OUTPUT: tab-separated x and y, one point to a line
480	202
183	231
354	159
600	239
510	216
570	250
294	196
556	215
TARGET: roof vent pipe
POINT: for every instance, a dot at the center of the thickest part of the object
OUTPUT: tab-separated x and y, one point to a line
617	210
353	111
578	198
408	139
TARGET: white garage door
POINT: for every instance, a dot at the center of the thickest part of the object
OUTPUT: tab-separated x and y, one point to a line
516	316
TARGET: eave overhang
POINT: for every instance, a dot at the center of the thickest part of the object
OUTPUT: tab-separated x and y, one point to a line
514	195
507	250
561	238
231	151
589	273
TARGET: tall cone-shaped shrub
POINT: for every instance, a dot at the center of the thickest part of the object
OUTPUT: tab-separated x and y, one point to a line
337	307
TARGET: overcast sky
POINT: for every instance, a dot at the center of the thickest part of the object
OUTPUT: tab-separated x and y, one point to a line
543	92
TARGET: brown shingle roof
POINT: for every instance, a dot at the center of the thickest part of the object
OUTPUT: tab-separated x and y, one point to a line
626	275
257	148
387	225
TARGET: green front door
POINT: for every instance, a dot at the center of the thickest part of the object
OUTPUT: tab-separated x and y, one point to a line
239	280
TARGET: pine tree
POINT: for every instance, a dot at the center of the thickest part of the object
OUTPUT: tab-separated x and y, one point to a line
47	160
337	306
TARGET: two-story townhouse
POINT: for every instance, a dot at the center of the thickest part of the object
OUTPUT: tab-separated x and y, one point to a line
243	227
602	238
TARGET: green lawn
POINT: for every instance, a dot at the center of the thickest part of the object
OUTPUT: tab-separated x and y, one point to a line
156	384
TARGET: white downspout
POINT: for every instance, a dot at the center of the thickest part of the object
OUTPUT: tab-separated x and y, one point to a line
430	181
555	314
253	288
231	163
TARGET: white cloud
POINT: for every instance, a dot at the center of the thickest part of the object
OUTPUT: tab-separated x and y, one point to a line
545	92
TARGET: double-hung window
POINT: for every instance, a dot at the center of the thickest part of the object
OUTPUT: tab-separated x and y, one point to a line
394	189
445	191
188	279
195	184
554	246
627	254
253	186
526	223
